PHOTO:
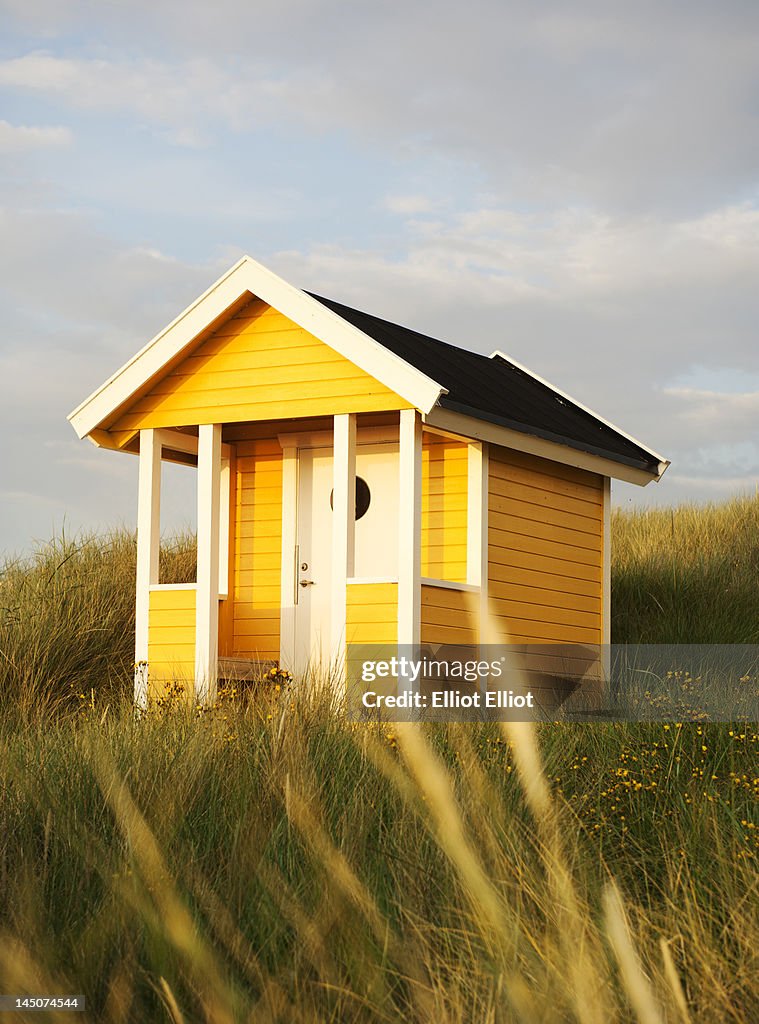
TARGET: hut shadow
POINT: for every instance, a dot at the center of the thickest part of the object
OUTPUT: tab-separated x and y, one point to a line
512	682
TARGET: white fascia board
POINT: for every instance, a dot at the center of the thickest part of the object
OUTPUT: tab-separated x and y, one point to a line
152	357
471	428
663	463
249	276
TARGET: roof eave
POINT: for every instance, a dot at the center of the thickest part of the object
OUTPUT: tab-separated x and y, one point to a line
474	426
661	462
560	439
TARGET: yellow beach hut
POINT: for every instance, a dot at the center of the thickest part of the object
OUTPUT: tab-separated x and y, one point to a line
357	482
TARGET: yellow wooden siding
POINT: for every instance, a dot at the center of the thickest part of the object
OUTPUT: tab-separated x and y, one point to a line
257	548
545	531
171	640
258	365
445	486
372	613
449	616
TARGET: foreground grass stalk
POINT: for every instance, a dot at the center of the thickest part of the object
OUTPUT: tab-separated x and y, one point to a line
220	1002
434	784
673	980
637	985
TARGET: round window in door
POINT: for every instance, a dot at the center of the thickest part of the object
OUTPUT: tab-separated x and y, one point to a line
363	497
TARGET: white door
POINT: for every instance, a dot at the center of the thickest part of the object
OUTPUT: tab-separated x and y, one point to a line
376	544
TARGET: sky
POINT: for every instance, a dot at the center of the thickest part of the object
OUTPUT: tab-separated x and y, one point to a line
574	184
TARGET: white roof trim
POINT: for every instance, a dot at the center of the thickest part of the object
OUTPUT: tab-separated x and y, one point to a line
249	276
470	428
663	463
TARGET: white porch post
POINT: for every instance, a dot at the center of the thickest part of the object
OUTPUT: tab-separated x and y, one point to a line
207	597
606	543
477	527
410	528
343	530
148	549
606	581
289	567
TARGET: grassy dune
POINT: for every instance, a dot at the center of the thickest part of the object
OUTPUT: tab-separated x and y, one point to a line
267	861
686	575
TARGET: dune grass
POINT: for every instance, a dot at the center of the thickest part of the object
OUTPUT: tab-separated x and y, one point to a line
686	575
272	863
268	861
67	618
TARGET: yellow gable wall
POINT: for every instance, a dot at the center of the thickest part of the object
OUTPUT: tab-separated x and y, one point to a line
258	365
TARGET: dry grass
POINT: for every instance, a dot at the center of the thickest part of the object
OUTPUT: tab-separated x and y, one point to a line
686	575
269	861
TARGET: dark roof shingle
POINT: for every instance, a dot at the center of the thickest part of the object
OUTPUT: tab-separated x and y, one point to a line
497	390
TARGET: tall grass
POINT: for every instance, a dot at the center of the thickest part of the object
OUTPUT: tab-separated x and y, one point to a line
686	575
276	864
269	861
67	617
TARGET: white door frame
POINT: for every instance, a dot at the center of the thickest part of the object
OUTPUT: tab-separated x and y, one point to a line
343	441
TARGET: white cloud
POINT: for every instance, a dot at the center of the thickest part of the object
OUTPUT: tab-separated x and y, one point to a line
181	98
409	204
717	486
17	138
637	109
729	416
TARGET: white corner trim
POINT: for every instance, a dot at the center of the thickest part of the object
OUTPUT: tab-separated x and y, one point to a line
207	601
225	485
148	551
474	511
289	564
663	463
485	540
471	428
477	567
343	529
247	276
606	548
409	527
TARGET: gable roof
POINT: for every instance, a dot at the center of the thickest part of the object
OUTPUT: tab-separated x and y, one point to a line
498	389
425	372
249	278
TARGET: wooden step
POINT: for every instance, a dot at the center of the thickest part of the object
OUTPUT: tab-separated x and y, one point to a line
244	669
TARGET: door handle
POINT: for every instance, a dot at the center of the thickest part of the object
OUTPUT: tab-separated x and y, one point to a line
306	583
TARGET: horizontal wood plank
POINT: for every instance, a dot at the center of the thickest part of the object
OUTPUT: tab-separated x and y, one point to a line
516	526
503	560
